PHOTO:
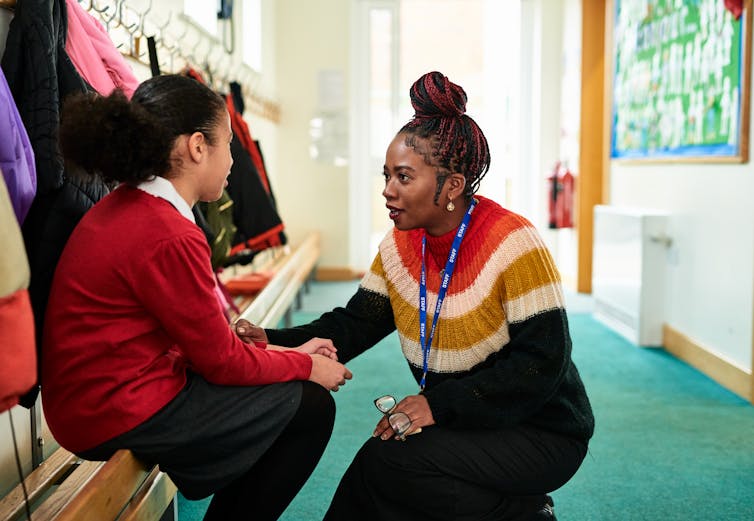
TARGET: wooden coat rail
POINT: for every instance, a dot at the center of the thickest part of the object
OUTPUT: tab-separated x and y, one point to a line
292	269
8	4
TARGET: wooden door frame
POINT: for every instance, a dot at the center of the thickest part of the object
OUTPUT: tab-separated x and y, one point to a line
594	136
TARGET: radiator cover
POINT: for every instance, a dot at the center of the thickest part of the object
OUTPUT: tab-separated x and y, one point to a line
628	271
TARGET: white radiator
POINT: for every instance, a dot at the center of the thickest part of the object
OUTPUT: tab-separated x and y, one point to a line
628	271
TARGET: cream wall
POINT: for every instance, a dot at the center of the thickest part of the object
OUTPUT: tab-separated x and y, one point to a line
710	264
310	37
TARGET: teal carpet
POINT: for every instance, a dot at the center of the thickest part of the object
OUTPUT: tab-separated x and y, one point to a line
670	443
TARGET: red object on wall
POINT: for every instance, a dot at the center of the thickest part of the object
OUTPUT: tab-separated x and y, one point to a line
736	7
560	194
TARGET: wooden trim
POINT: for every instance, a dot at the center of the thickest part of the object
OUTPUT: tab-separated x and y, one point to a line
593	135
744	116
336	274
8	4
726	374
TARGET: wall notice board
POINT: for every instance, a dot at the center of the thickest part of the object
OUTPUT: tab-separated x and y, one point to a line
680	81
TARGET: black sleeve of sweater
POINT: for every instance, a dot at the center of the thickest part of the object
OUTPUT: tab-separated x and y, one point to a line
366	319
515	384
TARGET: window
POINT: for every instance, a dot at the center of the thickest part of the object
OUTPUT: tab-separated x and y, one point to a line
252	34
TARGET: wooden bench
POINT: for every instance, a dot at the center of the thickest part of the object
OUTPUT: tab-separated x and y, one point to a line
66	488
292	268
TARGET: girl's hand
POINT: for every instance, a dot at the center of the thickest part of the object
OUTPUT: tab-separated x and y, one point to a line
319	346
315	346
328	373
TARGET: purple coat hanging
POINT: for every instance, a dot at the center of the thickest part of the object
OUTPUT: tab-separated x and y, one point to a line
16	154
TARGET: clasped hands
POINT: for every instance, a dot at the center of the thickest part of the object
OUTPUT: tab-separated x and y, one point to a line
331	374
326	370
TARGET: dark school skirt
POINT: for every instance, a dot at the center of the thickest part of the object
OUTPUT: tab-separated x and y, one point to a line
209	435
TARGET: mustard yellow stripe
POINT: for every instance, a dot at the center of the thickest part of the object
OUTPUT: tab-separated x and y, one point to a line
528	272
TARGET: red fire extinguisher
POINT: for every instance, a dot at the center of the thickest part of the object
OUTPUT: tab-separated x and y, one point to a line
560	195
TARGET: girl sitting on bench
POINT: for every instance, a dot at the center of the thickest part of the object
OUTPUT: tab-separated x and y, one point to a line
137	352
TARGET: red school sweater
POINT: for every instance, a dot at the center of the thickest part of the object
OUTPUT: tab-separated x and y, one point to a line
131	309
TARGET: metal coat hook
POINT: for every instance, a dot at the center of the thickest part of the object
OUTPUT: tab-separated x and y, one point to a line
143	18
182	36
192	54
105	19
222	70
121	23
93	7
139	32
204	61
161	28
160	39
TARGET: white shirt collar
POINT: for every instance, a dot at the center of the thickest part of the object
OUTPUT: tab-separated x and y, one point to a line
164	189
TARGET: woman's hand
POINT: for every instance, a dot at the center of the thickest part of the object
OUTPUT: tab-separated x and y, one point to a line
248	332
416	407
328	373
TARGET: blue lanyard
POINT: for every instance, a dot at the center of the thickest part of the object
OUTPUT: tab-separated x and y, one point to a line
450	265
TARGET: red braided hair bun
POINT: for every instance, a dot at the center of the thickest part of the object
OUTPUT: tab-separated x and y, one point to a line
434	95
457	143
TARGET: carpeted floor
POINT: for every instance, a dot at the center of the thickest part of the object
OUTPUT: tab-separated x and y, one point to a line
670	443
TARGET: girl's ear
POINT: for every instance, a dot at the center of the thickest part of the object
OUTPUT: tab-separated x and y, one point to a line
456	185
197	146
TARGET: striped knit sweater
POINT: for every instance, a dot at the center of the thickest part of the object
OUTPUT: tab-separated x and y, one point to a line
501	354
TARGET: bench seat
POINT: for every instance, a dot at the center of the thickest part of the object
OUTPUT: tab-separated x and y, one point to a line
66	488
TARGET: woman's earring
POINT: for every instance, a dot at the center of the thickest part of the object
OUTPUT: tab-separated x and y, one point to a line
450	206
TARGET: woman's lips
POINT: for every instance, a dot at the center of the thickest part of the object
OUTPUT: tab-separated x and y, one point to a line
394	212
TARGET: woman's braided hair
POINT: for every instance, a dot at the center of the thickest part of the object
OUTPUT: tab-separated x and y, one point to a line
456	142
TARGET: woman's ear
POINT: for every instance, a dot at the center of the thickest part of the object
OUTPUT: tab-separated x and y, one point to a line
456	185
197	146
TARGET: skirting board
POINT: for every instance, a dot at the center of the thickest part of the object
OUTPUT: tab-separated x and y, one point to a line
724	373
335	274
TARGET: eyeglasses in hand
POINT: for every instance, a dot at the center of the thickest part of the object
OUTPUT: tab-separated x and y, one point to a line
399	421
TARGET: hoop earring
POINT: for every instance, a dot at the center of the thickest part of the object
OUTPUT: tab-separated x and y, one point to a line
450	206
